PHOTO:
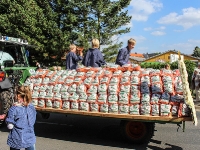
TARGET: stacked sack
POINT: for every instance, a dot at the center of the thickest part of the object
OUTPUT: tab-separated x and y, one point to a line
129	90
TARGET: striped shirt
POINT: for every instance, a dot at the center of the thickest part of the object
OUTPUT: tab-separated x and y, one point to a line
23	118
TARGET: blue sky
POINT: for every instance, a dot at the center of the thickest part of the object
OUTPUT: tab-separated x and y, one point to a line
161	25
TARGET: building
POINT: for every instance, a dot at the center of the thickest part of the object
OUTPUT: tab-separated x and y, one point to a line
136	58
171	56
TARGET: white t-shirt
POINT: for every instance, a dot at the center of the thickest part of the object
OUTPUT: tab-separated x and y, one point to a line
5	56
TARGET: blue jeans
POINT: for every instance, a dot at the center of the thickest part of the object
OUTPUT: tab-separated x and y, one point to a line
28	148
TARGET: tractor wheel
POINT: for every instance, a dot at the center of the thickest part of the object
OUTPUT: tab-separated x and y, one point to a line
6	101
137	132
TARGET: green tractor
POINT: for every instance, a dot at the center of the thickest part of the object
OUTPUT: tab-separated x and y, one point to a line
14	70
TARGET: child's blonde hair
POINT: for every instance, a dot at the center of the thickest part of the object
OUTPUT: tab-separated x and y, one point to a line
72	46
95	43
132	41
25	93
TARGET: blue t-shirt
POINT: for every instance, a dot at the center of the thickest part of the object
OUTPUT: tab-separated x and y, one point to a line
123	56
72	60
93	58
23	118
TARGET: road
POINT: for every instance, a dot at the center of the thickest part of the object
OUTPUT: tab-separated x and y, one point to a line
74	132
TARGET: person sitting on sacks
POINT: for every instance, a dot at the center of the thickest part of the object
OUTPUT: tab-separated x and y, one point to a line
72	59
124	53
94	57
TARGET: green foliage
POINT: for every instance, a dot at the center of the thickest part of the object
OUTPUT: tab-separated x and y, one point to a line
154	65
111	53
51	25
190	66
196	52
106	28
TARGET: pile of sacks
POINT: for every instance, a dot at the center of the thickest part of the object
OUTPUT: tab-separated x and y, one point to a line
129	90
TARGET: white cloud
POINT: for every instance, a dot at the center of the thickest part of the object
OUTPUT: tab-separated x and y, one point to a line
158	33
139	39
141	9
184	47
161	28
125	38
148	29
190	17
129	25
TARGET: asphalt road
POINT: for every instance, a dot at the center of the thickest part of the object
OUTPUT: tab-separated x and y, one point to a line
92	133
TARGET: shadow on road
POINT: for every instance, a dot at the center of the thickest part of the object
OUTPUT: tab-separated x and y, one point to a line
89	130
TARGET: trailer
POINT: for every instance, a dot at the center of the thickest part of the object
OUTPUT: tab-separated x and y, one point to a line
135	127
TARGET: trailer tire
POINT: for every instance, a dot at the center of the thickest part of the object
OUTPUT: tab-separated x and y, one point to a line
137	132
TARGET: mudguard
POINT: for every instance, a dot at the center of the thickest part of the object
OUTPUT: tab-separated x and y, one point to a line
5	84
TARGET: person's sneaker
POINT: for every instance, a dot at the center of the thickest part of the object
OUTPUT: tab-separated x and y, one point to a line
2	117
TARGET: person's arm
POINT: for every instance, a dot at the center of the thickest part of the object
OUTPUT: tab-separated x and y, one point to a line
101	60
76	58
120	58
31	112
10	118
84	61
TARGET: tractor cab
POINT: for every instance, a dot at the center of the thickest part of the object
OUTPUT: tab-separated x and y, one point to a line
14	58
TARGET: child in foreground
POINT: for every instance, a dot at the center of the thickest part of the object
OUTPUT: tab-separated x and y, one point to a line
20	120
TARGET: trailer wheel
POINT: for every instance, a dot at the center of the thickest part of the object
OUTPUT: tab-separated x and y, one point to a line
137	132
45	115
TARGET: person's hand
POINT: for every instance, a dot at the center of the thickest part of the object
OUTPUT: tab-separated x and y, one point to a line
81	53
10	126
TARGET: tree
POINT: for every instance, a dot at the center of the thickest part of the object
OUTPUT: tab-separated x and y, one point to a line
102	20
84	23
41	22
110	53
109	19
51	25
196	52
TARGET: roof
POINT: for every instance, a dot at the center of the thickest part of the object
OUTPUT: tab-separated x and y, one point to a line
174	51
150	55
137	58
136	55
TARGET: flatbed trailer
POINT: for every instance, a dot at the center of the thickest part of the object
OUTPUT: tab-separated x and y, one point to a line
157	119
137	129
